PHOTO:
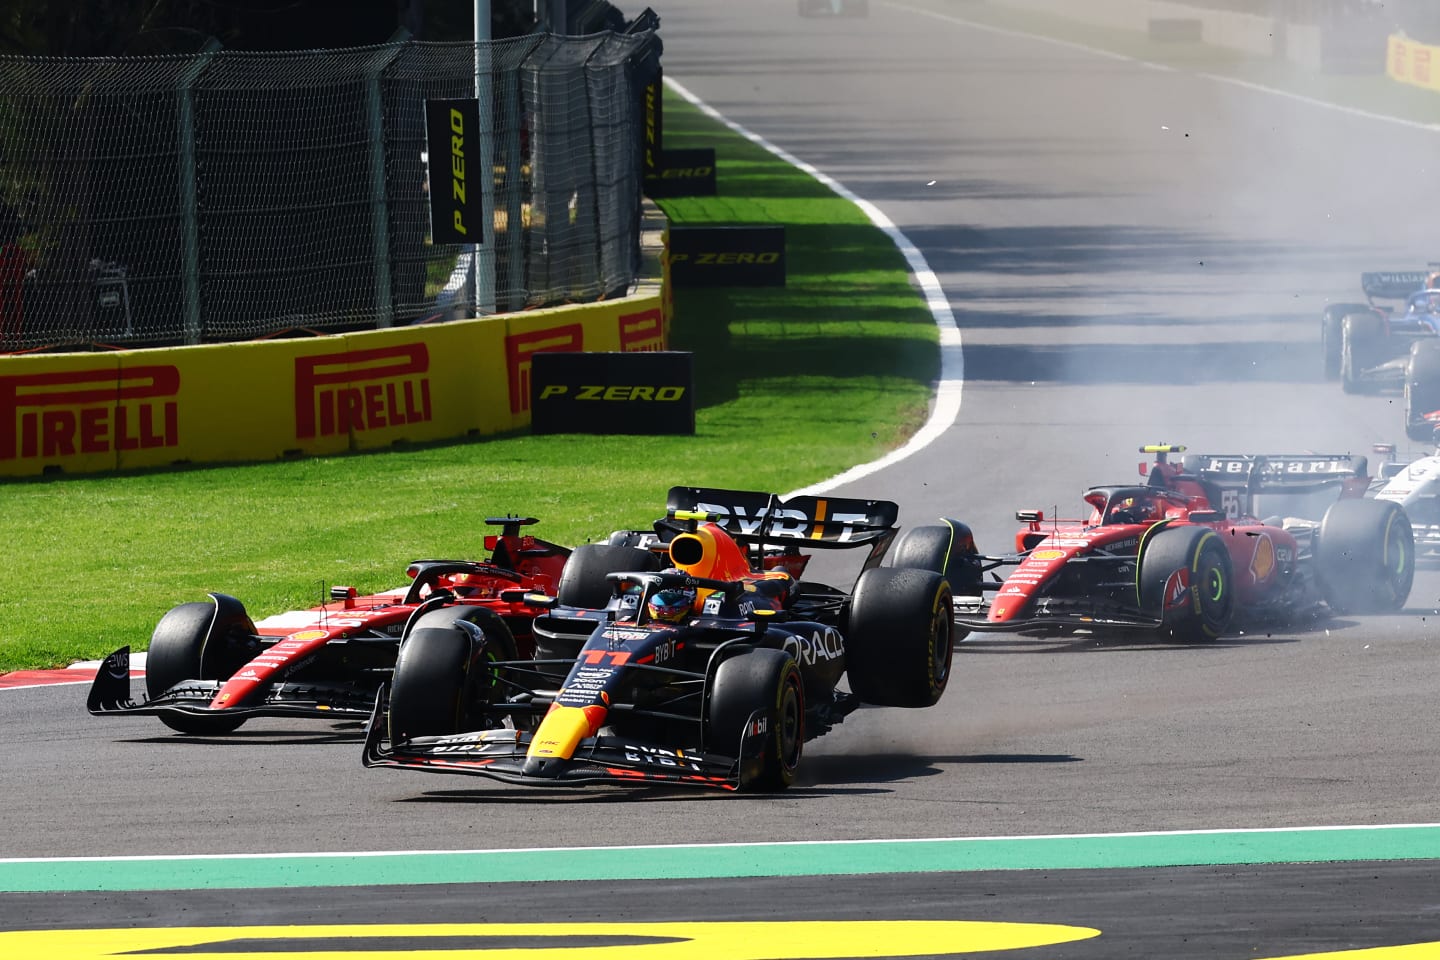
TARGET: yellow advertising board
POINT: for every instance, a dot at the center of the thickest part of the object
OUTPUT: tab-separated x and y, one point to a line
227	403
1416	64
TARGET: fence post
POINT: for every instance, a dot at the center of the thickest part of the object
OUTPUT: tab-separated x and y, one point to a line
379	195
189	214
485	95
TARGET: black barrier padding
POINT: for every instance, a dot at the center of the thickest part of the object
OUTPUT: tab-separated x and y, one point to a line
683	173
613	393
727	256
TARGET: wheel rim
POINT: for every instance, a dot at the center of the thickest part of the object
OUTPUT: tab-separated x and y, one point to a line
792	724
1214	594
1398	562
942	641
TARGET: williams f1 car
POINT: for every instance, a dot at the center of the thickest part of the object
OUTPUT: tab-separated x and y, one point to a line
1377	345
210	668
713	671
1183	555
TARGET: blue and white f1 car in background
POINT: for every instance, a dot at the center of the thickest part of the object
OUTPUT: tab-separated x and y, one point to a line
1375	346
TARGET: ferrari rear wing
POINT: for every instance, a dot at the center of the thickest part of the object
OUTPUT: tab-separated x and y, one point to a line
752	517
1296	473
1392	284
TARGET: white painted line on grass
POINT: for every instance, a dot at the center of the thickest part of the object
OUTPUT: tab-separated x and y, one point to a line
946	406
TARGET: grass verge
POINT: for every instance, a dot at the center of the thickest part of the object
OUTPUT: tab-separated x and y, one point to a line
795	384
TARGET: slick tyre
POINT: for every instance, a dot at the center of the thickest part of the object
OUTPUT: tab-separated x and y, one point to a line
947	548
1330	323
1184	580
1365	556
197	641
445	678
1422	389
764	684
1358	333
900	638
583	583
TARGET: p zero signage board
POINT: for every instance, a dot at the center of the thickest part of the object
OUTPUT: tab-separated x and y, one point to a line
726	256
613	393
452	135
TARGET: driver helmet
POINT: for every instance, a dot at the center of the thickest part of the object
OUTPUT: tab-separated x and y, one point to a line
1131	510
672	604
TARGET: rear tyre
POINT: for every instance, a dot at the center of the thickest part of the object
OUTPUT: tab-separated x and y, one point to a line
444	681
768	682
900	639
185	646
1184	581
1365	556
1330	322
1422	389
583	582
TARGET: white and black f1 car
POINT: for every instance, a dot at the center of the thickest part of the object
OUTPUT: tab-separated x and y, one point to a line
713	671
1415	486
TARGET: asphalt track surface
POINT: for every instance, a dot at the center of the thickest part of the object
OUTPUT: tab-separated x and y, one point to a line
1133	255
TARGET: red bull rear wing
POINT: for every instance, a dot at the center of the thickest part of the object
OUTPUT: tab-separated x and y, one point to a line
763	517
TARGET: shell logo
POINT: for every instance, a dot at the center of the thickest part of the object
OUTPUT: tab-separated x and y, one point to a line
304	635
1262	561
1047	554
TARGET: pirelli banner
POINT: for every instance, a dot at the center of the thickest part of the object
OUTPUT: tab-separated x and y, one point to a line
613	393
726	256
1414	64
219	403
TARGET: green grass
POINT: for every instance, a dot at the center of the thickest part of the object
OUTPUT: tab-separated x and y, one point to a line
794	385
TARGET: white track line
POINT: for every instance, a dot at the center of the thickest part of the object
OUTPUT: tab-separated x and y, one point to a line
946	407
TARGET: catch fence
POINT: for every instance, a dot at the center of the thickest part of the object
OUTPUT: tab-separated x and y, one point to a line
233	195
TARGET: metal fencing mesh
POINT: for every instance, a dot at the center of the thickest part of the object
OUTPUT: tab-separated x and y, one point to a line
232	195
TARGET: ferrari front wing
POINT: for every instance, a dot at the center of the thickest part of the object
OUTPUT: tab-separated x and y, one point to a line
110	696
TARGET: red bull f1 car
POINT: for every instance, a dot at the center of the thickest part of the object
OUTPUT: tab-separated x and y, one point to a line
1183	554
210	668
713	670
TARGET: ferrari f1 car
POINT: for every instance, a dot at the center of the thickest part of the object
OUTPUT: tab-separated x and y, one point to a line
210	668
1183	554
713	671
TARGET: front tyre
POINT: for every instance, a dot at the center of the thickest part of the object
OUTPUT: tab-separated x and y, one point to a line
197	641
1365	556
763	684
1330	324
1184	580
900	639
1358	334
444	680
